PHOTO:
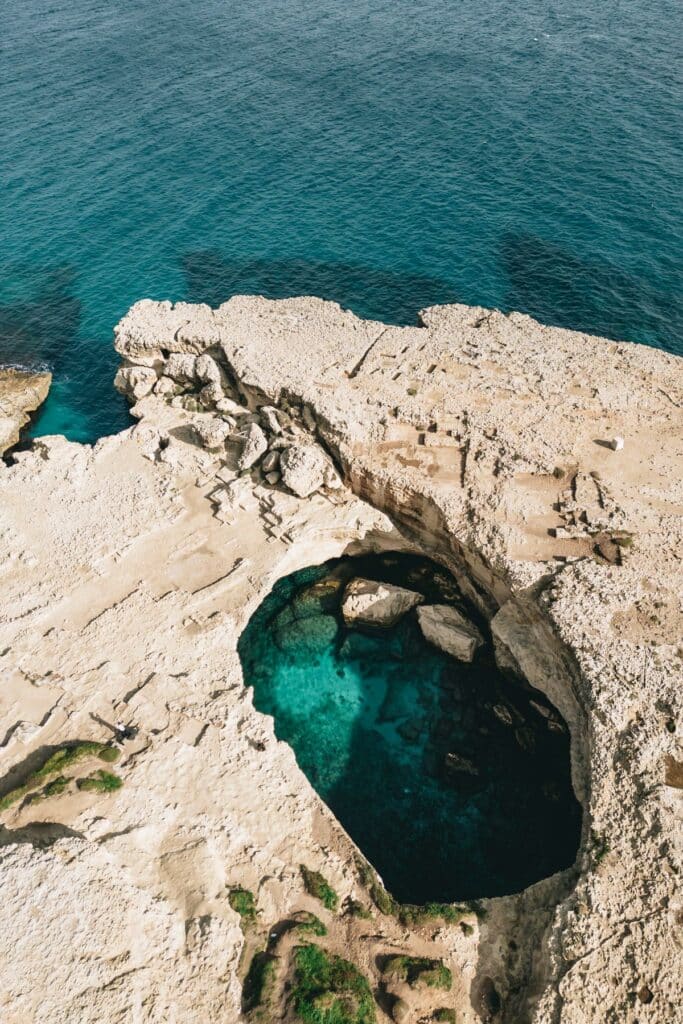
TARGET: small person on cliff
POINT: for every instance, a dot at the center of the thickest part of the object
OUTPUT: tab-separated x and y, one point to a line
124	732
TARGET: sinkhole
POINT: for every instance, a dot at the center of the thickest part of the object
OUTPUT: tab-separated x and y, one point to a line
452	778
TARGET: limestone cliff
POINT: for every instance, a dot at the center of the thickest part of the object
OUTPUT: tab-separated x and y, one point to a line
21	392
274	435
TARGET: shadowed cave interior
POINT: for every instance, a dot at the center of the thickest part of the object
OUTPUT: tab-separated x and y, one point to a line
375	717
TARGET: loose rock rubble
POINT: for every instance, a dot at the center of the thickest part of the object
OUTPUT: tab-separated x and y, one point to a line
368	603
450	631
277	442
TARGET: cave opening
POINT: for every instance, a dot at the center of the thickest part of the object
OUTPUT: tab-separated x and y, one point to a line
452	777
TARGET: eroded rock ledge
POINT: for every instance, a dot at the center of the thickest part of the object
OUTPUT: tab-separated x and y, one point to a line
273	435
21	392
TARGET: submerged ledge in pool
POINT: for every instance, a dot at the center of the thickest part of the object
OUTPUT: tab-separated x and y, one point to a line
453	780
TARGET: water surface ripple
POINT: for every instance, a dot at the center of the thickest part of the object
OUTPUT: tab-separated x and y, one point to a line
385	155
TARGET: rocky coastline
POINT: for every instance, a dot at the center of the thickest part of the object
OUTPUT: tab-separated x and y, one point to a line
21	393
272	435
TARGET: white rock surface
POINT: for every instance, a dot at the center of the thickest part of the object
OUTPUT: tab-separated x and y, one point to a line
126	585
207	370
20	393
254	444
270	462
270	419
449	630
181	368
211	394
135	381
303	469
211	431
167	387
369	603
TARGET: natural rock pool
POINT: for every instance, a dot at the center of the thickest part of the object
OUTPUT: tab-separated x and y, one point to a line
453	779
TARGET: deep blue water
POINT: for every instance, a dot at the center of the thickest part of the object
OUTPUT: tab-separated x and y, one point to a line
379	152
373	718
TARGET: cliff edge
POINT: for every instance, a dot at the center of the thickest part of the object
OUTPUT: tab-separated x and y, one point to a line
542	467
21	393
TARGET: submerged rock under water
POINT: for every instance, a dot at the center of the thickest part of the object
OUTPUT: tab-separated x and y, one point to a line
453	780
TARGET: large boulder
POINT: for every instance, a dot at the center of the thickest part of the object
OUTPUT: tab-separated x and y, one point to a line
210	395
254	444
369	603
181	367
135	381
207	370
212	432
303	468
449	630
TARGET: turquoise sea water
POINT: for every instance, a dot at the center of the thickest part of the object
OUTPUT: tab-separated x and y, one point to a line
382	153
374	719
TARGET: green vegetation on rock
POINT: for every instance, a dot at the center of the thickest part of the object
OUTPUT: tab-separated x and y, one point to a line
330	990
356	909
56	764
316	885
100	782
309	923
109	754
418	970
410	914
242	902
383	900
56	787
445	1016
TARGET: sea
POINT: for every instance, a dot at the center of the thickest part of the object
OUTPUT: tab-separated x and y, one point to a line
385	154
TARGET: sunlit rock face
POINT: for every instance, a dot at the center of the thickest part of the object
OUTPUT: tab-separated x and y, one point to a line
131	569
21	392
453	779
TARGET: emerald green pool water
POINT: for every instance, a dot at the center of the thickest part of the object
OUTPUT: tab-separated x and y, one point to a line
373	717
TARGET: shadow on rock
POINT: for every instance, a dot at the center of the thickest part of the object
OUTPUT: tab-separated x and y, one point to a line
39	835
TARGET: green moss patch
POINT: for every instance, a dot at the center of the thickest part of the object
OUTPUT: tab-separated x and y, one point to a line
309	924
383	900
56	787
56	764
316	885
418	971
409	914
412	915
357	909
109	754
330	990
242	901
100	782
445	1016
